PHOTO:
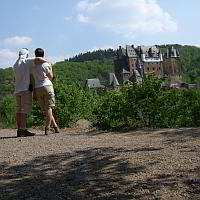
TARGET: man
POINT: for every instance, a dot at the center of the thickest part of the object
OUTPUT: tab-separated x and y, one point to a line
43	75
22	71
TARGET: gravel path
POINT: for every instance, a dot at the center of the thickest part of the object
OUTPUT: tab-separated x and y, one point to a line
74	164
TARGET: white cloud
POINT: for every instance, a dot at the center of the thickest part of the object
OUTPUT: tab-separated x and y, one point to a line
18	41
126	17
6	54
86	6
7	58
82	18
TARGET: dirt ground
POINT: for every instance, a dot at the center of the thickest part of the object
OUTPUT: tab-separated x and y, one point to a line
75	164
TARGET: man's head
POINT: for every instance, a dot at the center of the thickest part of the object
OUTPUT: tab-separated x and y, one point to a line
39	52
23	53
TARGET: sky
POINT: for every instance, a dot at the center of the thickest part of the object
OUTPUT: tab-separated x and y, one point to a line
64	28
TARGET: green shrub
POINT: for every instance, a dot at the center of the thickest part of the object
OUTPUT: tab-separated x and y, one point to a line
7	112
134	106
148	105
36	119
73	103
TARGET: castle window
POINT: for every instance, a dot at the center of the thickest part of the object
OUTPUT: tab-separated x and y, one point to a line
153	68
147	69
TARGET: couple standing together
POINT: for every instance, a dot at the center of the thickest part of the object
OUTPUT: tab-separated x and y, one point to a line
38	70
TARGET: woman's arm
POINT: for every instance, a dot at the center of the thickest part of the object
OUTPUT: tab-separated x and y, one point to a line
50	72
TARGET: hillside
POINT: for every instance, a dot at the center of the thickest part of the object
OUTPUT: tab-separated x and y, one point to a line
94	55
80	71
6	82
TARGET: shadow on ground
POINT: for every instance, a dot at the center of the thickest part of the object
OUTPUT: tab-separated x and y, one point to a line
180	135
170	136
193	132
89	174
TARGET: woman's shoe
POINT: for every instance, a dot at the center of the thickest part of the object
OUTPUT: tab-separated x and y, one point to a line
56	129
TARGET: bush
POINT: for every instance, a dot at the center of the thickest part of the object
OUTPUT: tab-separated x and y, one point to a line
73	103
36	119
179	108
148	105
7	112
135	106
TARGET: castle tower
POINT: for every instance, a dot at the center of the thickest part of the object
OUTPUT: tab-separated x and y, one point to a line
132	58
172	65
122	70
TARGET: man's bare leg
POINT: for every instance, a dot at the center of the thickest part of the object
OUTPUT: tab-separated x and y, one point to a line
22	125
23	121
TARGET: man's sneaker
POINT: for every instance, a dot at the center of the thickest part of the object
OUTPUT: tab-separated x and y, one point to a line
24	133
56	129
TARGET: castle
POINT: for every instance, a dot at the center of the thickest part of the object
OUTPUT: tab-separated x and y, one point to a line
132	63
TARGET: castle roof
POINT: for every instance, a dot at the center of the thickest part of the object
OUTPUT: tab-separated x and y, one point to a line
145	49
94	83
131	51
172	53
121	51
113	80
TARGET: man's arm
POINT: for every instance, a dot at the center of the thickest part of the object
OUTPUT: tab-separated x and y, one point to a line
39	60
36	61
54	72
